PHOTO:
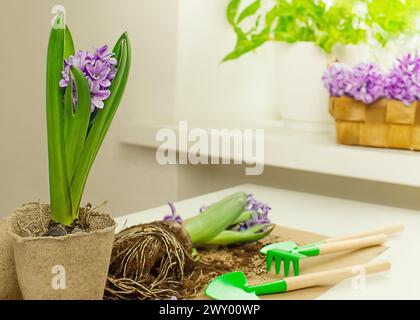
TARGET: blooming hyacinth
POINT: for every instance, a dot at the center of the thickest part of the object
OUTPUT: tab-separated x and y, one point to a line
336	79
366	83
403	82
173	216
99	68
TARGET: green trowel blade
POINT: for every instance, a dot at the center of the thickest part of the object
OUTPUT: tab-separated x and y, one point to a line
230	286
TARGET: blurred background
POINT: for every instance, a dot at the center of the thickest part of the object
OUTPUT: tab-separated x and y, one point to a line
176	75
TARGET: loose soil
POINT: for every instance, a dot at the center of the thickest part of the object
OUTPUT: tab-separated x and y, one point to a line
217	261
142	277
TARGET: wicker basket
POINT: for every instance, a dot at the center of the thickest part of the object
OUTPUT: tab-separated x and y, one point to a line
384	123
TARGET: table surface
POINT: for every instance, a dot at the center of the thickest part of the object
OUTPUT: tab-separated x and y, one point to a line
334	217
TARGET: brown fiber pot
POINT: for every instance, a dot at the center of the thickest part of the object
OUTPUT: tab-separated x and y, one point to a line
9	287
69	267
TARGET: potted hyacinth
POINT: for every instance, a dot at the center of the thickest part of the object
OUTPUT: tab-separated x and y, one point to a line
312	34
373	107
62	250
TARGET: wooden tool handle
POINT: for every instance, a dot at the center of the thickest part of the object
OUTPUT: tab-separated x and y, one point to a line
334	276
391	229
353	244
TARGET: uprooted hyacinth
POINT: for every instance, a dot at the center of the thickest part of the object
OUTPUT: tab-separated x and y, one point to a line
99	69
251	225
366	82
404	80
259	213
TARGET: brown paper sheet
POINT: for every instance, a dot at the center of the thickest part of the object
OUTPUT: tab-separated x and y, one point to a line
314	264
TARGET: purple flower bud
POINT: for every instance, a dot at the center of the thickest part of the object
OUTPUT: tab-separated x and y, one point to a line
259	212
172	216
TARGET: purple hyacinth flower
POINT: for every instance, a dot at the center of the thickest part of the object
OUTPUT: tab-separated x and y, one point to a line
103	54
403	82
335	79
99	68
259	213
366	83
172	216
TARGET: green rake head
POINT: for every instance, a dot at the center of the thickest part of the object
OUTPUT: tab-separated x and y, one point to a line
289	254
287	258
285	246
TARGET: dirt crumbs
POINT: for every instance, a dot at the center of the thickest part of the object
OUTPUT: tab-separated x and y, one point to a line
246	258
175	284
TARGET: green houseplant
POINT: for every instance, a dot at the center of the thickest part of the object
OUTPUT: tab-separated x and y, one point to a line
63	240
343	22
311	34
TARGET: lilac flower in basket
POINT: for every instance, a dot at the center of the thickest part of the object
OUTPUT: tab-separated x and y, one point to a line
366	83
403	82
336	79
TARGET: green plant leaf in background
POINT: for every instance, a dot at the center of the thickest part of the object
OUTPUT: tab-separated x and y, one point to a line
232	11
249	11
292	21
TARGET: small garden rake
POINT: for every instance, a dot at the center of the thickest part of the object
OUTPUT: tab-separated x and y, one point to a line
290	254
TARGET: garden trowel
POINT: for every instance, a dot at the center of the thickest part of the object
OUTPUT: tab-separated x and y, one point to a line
234	285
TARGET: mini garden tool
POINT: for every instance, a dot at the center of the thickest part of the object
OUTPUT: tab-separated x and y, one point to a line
234	285
289	247
293	256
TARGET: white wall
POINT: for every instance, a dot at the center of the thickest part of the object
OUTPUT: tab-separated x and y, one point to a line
238	91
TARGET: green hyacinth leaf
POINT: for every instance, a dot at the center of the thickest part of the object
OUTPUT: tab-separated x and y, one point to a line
68	116
76	123
252	234
103	119
61	206
68	43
